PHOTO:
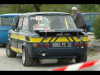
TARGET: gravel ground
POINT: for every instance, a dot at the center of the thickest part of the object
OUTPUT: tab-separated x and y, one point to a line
93	56
15	64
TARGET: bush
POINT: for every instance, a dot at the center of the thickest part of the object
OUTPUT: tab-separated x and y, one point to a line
96	26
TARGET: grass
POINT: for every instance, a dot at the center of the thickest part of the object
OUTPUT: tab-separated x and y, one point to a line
89	41
93	38
89	53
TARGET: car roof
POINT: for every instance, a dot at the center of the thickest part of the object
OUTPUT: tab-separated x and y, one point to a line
10	14
91	13
33	13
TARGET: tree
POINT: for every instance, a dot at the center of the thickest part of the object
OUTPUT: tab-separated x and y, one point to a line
96	26
3	10
23	8
55	8
87	8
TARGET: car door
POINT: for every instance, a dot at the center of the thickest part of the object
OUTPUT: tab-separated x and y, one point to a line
23	26
20	36
5	26
15	36
88	18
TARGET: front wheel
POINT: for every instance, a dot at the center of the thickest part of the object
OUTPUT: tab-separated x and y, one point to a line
82	58
9	52
26	59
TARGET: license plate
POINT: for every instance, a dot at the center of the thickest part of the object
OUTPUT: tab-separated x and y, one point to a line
61	45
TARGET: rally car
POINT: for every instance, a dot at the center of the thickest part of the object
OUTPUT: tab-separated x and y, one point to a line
43	37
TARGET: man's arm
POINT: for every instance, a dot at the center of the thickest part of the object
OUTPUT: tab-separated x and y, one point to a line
75	17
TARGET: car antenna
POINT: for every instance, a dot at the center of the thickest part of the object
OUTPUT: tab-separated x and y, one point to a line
78	35
46	35
62	34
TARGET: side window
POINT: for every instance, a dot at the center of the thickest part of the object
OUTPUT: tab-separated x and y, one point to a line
92	17
5	21
87	18
19	27
25	24
15	20
97	15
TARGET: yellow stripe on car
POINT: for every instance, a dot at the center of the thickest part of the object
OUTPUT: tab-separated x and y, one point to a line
56	39
85	39
20	37
20	51
16	49
14	36
35	40
76	39
62	39
70	39
66	23
53	39
46	39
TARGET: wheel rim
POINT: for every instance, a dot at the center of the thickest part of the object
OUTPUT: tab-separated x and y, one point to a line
23	56
8	50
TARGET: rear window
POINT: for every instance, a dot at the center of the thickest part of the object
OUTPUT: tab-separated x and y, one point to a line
5	21
89	17
40	22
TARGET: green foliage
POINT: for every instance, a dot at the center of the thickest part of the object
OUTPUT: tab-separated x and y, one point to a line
23	8
96	26
87	8
3	10
20	8
96	23
54	7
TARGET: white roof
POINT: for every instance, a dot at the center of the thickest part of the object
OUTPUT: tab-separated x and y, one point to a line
32	13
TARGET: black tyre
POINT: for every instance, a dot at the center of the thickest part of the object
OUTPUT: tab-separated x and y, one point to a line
4	45
26	59
9	52
82	58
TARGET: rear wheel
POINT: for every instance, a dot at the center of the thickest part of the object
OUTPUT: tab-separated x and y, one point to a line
9	52
82	58
4	45
26	59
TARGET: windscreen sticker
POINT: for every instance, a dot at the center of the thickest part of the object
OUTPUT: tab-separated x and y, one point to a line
25	21
40	27
38	17
31	18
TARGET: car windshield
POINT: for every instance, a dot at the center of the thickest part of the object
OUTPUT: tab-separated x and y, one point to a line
39	22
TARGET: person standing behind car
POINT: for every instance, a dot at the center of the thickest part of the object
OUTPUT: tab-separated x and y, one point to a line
79	19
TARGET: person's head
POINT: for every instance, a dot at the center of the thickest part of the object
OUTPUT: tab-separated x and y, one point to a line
74	9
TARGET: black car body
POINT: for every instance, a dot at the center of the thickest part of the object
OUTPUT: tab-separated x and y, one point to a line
55	36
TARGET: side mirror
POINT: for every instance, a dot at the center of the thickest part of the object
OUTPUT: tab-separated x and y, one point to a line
14	27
